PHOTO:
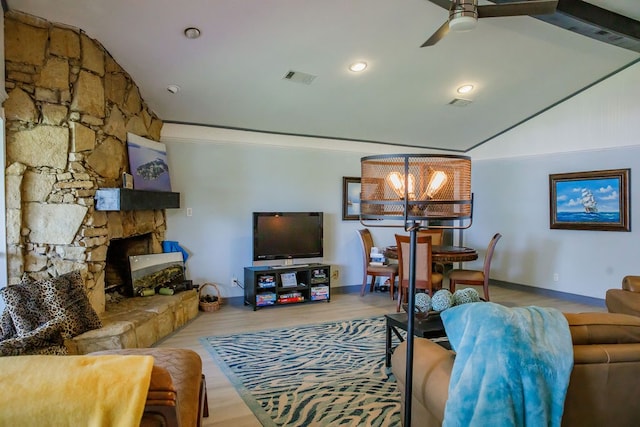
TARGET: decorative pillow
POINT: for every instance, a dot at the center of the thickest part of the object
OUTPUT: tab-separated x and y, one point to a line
46	339
7	330
65	299
25	306
34	303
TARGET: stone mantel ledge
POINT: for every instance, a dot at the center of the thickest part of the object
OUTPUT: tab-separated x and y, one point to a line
138	322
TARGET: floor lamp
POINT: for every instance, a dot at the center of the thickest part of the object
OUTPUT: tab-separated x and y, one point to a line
412	190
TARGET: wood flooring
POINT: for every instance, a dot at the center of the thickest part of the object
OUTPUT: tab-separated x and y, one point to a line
226	407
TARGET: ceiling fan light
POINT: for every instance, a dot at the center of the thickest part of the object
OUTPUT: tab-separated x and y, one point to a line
462	23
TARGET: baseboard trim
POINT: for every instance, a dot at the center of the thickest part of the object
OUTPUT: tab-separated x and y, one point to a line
352	289
581	299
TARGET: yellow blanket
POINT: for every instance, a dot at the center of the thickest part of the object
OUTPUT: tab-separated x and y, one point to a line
58	391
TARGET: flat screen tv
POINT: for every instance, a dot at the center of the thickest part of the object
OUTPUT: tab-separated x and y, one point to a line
287	235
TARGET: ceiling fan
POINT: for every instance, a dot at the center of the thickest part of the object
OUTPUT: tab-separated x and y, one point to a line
464	14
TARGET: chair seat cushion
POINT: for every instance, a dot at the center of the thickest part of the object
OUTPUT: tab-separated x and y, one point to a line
474	275
383	269
436	282
436	278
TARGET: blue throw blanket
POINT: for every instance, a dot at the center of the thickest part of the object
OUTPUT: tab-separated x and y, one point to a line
512	365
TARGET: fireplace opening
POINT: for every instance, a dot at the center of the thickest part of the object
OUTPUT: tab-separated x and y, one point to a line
117	270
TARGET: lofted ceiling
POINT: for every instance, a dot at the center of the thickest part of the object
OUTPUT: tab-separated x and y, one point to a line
232	75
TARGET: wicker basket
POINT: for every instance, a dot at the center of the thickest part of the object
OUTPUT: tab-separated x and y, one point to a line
209	306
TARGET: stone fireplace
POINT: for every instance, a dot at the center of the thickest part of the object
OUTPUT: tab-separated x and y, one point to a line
69	109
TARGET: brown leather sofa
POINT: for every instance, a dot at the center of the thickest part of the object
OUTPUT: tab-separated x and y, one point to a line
627	299
604	389
177	393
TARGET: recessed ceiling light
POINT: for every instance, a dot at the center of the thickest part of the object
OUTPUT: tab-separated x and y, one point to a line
192	33
465	89
173	88
356	67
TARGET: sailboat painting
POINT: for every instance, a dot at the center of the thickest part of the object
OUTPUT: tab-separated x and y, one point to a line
596	200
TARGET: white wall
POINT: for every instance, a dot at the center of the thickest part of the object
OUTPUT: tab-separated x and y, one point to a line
596	130
225	175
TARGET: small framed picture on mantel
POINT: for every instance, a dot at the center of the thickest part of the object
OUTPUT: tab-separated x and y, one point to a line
127	180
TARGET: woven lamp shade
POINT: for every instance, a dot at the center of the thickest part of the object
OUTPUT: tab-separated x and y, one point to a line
415	187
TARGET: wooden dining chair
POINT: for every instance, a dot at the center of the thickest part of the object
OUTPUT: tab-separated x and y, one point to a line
475	277
390	270
435	233
426	278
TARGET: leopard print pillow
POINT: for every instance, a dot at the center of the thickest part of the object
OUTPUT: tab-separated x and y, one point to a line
66	300
44	340
61	297
25	306
7	330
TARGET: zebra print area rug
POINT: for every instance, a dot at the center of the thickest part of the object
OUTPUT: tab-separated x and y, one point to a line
316	375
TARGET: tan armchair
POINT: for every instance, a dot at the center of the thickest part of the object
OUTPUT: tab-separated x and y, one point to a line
177	393
104	388
603	386
627	299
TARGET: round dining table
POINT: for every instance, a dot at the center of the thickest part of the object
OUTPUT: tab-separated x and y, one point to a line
441	254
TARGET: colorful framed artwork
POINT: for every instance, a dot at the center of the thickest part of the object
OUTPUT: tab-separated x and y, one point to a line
350	198
148	164
595	200
154	270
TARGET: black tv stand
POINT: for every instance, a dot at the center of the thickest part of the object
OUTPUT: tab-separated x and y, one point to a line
285	266
279	285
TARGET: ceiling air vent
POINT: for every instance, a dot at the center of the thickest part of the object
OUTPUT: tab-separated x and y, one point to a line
298	77
459	102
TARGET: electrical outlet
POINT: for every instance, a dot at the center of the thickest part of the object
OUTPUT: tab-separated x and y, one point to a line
234	281
556	277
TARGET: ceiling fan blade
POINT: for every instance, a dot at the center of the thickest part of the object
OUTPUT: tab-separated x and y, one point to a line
543	7
445	4
440	33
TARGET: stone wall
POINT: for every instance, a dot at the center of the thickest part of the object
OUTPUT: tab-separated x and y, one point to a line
69	109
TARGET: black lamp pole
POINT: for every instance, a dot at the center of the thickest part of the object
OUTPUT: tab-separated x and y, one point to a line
408	385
